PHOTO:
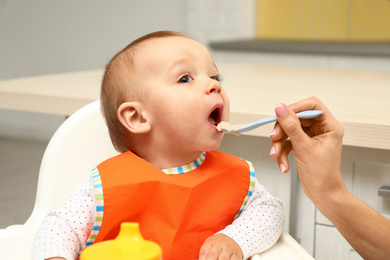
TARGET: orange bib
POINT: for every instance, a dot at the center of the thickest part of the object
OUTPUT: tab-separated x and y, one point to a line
178	211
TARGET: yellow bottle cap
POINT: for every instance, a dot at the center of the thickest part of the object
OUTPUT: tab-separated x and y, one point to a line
128	245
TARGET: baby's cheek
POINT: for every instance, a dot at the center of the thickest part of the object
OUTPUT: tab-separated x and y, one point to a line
226	113
226	106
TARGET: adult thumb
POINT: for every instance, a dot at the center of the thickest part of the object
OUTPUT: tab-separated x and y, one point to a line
290	124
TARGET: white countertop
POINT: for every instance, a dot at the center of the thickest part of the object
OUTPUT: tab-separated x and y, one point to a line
359	99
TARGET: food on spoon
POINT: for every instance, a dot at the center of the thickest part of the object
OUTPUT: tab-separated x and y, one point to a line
224	126
227	127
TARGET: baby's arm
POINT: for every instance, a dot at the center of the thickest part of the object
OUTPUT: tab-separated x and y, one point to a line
64	232
259	225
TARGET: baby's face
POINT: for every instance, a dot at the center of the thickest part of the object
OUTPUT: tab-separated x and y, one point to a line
184	94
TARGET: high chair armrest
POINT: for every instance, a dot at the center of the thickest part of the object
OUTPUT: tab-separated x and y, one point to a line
14	243
285	248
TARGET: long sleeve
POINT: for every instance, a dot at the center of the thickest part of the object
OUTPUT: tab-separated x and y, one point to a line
259	225
64	232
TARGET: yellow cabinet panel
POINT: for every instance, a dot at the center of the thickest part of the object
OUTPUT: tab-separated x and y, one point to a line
336	20
370	20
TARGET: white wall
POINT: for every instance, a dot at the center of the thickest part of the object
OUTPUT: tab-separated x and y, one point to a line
50	36
215	20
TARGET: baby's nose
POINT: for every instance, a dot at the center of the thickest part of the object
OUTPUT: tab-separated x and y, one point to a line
213	86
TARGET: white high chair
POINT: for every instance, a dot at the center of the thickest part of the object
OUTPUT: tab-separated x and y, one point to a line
79	144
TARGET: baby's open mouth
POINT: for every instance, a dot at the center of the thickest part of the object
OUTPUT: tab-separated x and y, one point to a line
215	116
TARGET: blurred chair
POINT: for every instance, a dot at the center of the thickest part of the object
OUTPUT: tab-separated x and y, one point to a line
79	144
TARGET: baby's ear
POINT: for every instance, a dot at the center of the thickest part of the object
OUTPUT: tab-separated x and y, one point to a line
133	116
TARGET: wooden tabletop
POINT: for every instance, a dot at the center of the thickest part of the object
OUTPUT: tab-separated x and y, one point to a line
359	99
60	94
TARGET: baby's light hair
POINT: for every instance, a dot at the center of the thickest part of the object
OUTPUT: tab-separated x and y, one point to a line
120	84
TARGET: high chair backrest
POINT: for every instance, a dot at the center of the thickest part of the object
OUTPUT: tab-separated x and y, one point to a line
79	144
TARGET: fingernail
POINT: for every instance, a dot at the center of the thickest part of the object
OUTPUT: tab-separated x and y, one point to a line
273	132
272	151
280	110
282	168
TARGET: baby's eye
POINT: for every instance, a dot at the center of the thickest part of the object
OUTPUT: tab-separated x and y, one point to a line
217	78
185	79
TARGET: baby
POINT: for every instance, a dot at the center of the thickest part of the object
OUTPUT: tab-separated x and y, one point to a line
162	99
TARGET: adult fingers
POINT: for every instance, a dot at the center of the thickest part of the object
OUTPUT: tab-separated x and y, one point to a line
290	124
324	123
282	159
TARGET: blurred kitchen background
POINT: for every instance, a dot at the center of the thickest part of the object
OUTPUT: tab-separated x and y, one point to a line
52	36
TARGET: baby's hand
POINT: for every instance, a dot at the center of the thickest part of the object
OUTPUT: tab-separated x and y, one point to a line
220	247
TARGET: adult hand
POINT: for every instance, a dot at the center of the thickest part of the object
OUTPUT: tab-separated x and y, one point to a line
316	143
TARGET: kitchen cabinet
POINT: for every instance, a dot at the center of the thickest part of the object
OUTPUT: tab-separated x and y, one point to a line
364	171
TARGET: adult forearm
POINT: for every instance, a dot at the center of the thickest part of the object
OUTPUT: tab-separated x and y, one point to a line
365	229
317	145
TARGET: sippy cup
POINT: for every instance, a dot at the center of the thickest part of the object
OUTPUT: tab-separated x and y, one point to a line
128	245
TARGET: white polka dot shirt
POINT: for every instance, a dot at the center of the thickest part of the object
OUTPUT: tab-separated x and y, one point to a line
64	232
